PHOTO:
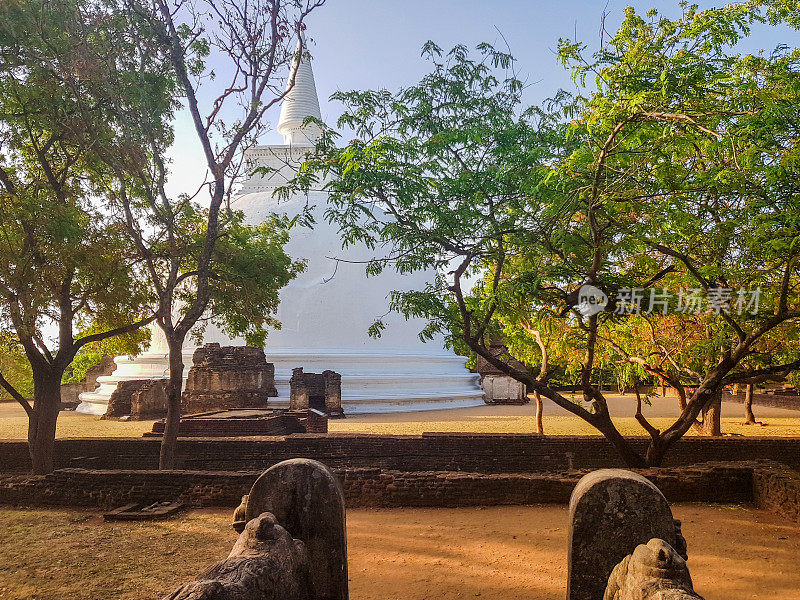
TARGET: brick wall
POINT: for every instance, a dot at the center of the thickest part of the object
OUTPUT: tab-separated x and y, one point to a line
473	453
788	401
777	489
362	487
108	489
378	488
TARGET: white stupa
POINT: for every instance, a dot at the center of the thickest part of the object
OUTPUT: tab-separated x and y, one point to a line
326	311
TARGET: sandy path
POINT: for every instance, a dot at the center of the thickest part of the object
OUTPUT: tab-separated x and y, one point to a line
619	406
662	413
517	553
505	553
487	419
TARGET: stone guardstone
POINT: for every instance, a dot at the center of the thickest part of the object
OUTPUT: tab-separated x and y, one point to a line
307	500
226	378
611	512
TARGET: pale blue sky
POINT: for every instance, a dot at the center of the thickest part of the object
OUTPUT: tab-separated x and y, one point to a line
362	44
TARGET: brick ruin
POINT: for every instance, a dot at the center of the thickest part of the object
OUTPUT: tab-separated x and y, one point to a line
228	377
233	378
138	400
319	391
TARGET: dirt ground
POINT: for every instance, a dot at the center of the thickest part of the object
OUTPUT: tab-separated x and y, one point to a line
662	412
507	553
485	419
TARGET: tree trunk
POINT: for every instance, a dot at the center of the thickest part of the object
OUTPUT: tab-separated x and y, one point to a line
750	418
42	425
711	416
629	455
169	441
539	407
655	453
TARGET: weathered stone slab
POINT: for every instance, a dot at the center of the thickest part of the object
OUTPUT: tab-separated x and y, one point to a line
654	571
139	511
265	564
308	502
611	512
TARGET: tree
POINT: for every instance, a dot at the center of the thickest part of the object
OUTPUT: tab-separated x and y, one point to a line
204	263
699	133
679	167
93	353
67	272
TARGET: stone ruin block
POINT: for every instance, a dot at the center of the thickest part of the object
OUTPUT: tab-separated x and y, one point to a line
70	395
316	421
314	390
292	542
611	512
228	377
501	389
139	399
150	402
499	350
497	386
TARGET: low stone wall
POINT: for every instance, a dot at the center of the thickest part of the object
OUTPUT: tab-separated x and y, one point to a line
777	489
468	452
107	489
788	401
365	487
377	488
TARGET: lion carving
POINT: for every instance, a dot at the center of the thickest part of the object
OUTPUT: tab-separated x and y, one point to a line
653	571
266	563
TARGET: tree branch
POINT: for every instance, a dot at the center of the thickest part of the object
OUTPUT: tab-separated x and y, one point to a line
6	385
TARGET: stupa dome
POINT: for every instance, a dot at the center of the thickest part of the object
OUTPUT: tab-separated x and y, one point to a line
327	310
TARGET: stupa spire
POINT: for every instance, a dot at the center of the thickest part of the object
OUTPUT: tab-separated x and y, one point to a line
300	103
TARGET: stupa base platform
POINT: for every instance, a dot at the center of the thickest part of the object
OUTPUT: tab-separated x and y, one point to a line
377	382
